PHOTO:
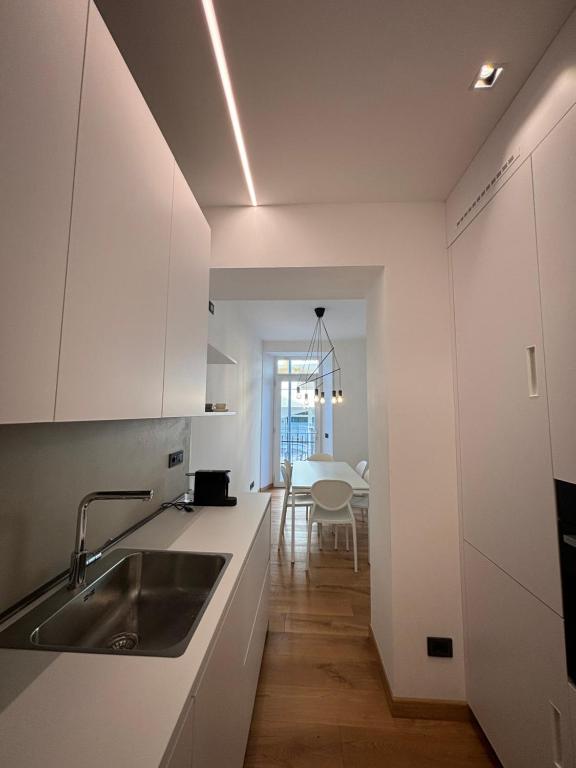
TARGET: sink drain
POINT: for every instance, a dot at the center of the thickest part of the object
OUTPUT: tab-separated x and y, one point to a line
123	641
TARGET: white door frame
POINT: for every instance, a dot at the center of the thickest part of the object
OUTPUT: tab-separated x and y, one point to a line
278	379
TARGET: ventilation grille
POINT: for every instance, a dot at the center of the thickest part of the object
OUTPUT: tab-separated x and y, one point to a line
482	197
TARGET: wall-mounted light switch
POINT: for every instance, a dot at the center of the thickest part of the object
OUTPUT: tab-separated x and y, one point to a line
175	458
440	646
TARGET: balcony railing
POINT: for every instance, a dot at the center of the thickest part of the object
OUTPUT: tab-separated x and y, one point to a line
297	447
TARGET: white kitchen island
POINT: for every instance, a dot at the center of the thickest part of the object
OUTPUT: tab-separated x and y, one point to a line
93	710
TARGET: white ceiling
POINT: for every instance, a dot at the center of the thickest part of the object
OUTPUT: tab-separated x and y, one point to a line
340	100
295	320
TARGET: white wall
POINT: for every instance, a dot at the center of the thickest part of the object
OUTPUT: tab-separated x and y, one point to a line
416	587
231	442
350	418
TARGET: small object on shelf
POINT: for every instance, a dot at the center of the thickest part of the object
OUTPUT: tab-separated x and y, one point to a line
220	407
209	407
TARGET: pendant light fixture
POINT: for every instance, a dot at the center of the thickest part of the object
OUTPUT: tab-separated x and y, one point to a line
321	355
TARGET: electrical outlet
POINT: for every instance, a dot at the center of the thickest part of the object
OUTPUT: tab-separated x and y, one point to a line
252	485
440	646
175	458
211	307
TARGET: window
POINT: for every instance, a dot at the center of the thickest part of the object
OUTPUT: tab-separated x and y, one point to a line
296	366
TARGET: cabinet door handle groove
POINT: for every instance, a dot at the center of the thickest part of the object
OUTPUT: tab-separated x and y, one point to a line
557	758
532	372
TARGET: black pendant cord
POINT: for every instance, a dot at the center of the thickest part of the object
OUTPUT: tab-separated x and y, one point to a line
316	348
331	343
313	346
308	359
319	366
324	375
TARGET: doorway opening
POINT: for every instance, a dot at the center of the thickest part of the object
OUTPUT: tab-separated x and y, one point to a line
297	417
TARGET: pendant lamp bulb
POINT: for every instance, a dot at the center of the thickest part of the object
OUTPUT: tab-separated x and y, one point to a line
340	396
316	396
322	398
333	396
297	393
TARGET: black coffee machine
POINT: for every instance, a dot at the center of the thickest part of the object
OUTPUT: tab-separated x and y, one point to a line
211	488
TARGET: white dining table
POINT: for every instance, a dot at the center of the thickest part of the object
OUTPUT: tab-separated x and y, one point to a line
306	473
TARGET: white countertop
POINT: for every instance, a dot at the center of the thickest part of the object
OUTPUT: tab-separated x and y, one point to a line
92	710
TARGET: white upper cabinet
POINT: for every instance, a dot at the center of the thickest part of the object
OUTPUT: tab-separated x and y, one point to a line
506	467
187	321
114	327
41	51
554	165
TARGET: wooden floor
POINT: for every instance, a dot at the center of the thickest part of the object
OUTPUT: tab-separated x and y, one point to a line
320	700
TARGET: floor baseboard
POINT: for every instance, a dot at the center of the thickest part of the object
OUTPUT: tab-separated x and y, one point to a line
422	709
267	488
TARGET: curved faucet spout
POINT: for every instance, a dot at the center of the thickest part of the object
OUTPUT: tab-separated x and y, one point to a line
81	558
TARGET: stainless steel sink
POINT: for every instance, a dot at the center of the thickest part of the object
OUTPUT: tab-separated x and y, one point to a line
136	602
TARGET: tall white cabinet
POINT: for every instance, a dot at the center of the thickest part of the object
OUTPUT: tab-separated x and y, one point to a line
113	334
516	676
41	52
517	681
554	164
508	500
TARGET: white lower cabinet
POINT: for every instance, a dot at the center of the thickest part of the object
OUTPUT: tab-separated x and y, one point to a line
517	683
215	729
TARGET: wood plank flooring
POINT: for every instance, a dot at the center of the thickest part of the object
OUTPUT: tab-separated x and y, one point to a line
320	700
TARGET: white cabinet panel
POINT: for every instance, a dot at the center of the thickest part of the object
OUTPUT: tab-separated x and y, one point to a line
225	697
517	682
187	321
112	354
554	165
506	468
41	52
180	755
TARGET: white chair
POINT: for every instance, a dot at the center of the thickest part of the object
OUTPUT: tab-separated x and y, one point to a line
300	499
361	499
361	468
332	506
321	457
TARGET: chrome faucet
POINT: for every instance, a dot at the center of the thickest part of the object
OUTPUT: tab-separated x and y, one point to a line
81	559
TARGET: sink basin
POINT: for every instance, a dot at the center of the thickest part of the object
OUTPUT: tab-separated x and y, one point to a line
136	602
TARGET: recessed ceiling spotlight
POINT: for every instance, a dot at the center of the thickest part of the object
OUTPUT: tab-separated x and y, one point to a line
216	39
487	76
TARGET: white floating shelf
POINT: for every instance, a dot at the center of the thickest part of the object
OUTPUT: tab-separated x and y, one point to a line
215	357
218	413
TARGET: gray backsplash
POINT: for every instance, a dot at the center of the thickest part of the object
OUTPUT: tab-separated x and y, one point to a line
45	469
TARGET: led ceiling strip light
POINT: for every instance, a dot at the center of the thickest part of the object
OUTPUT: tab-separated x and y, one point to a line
216	39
